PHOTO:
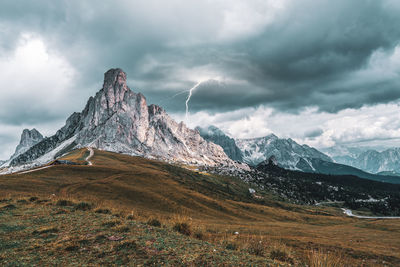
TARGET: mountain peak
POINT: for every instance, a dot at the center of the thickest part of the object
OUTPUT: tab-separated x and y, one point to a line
114	76
119	120
28	139
114	89
29	136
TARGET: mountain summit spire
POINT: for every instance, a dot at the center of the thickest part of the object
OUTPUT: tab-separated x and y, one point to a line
114	87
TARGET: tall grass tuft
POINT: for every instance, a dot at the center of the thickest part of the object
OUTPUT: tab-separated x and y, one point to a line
320	258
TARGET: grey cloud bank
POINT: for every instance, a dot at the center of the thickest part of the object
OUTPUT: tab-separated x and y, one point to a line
289	56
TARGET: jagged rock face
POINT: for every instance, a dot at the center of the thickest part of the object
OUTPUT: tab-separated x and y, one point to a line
119	120
28	139
287	152
215	135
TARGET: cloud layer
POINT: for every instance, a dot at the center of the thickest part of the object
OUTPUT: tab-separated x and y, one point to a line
281	57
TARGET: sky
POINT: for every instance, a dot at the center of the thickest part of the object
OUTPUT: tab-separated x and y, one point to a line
321	73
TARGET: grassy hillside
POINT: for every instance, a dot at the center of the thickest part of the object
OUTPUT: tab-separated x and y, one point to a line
35	232
214	206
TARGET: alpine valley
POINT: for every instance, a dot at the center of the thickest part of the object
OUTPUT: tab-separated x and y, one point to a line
122	183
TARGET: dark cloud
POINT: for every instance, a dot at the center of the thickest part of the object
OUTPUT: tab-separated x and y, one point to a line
306	55
313	133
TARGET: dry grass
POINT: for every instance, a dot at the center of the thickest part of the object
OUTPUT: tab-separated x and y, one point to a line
215	208
320	258
86	238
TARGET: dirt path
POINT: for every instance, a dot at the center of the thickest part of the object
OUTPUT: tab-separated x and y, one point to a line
91	153
34	170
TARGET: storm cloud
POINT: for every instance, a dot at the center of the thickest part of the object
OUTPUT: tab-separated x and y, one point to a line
288	55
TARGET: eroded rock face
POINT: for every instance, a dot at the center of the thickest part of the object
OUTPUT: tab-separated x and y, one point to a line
28	139
119	120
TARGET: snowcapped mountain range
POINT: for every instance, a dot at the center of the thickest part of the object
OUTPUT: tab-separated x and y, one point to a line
119	120
373	161
288	153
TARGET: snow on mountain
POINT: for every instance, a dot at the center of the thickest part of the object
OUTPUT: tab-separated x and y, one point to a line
287	152
344	151
373	161
119	120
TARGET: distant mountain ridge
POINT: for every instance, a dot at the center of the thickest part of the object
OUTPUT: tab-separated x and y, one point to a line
119	120
288	153
372	161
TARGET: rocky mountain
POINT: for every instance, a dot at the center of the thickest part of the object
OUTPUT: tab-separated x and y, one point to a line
28	139
119	120
215	135
344	151
288	153
373	161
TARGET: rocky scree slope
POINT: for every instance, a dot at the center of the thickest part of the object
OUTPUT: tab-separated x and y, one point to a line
117	119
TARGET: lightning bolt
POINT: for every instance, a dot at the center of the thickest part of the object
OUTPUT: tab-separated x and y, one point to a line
188	99
173	96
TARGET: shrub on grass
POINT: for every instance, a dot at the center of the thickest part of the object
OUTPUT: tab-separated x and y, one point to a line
83	206
126	245
256	248
64	203
122	229
154	222
103	211
71	248
32	199
45	230
111	223
100	238
9	207
231	246
281	255
199	234
183	228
